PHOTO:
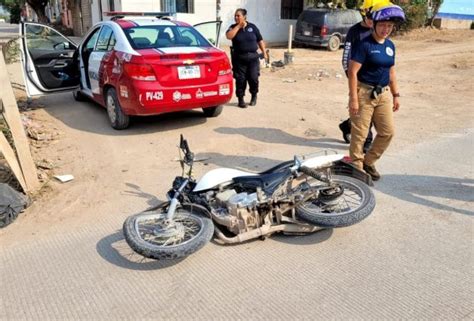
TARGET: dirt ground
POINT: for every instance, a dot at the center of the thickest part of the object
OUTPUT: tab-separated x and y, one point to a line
298	111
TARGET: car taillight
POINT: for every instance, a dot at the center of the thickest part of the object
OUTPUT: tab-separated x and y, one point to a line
140	71
224	67
324	30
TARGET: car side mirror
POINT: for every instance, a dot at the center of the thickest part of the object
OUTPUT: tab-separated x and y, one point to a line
66	45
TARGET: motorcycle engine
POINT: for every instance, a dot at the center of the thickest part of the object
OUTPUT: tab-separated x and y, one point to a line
237	211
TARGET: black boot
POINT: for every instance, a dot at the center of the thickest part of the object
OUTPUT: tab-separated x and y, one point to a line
345	127
242	103
253	100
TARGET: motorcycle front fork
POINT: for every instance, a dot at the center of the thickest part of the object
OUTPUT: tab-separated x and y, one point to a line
174	201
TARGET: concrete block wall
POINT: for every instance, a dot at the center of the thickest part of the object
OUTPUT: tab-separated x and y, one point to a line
452	23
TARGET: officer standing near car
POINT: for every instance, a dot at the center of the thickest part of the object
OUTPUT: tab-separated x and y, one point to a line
356	33
246	40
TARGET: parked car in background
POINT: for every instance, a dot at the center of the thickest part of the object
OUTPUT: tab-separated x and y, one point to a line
324	27
132	65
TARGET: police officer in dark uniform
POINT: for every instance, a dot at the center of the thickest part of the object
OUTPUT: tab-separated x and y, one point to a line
246	39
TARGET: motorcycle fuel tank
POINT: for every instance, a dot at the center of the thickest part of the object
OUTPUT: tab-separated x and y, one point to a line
218	176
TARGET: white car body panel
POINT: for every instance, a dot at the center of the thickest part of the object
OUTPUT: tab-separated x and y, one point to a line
322	161
95	60
30	76
219	176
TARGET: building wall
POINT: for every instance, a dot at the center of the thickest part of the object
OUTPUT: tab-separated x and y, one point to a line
265	14
204	10
96	6
141	5
81	17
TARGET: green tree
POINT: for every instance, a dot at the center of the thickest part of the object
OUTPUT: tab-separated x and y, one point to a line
37	5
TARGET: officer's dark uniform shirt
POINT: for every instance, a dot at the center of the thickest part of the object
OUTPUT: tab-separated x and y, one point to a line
376	60
246	39
355	34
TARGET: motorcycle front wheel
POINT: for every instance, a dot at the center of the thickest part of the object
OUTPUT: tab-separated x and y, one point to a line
151	235
350	202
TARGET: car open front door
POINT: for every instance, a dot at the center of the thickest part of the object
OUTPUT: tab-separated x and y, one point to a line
49	60
210	30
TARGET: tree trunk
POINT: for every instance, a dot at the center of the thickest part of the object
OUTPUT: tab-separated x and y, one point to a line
38	6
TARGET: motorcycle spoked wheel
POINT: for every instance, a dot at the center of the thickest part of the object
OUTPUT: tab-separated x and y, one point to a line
354	203
150	235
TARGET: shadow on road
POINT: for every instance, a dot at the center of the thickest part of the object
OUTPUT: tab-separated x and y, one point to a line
310	239
114	249
90	117
415	189
278	136
136	190
246	163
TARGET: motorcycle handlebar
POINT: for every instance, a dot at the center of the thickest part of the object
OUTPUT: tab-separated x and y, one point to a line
188	155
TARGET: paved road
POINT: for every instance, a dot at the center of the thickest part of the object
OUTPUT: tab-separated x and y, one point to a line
7	31
411	259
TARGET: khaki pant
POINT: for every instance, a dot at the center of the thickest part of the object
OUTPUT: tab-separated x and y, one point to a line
380	112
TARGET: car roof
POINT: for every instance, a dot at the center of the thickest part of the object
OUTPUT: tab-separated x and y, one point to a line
130	22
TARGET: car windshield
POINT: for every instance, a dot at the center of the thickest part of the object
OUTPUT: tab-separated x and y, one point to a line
146	37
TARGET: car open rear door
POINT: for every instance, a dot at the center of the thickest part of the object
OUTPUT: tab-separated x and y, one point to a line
49	60
210	30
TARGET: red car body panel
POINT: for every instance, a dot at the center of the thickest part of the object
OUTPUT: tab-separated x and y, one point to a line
167	93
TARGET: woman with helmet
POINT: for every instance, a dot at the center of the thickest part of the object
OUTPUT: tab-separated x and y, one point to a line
356	33
373	90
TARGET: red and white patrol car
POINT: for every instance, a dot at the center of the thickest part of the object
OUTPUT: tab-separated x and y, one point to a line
132	65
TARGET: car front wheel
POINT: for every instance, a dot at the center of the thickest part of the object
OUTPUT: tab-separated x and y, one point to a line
117	118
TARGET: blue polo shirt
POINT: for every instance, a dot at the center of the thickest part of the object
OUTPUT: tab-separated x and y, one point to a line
246	39
355	34
376	60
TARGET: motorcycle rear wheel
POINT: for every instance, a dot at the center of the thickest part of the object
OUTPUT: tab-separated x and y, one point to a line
150	235
354	204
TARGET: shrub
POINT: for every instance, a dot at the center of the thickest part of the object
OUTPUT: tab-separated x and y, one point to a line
416	16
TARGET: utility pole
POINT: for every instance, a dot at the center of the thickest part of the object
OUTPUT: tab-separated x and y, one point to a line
218	10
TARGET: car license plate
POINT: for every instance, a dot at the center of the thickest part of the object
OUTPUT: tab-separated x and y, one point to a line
189	72
307	33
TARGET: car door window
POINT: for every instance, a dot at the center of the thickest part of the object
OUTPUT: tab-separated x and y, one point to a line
39	37
51	64
112	42
187	38
104	38
90	43
210	30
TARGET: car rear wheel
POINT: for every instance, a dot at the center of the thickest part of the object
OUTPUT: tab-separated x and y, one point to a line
213	111
334	43
117	118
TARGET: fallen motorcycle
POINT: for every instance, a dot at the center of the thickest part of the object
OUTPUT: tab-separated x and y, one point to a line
298	197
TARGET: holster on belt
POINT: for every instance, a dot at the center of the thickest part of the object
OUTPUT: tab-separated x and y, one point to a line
375	90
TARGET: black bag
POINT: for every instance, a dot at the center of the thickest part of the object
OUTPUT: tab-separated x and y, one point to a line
12	203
